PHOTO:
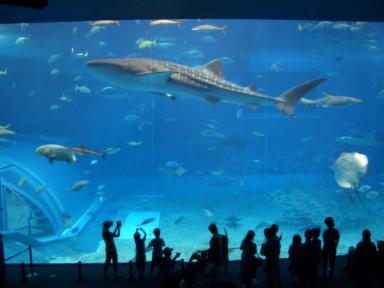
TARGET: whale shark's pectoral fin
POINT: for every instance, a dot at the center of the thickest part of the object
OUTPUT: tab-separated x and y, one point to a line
155	77
213	99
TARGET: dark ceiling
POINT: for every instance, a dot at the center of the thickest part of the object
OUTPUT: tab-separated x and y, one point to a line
76	10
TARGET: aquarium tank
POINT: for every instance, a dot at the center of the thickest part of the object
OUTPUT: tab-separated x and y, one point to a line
178	124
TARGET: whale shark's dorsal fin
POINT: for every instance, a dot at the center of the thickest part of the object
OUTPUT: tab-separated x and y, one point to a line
216	67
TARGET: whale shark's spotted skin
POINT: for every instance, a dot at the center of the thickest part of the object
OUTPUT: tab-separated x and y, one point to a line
205	82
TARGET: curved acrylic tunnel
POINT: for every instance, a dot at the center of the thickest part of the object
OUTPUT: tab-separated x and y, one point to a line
37	207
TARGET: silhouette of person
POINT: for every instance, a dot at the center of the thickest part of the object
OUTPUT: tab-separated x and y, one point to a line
110	247
140	251
380	258
157	253
215	256
167	262
167	274
271	250
275	229
349	265
317	243
248	259
331	237
365	258
225	251
294	257
308	262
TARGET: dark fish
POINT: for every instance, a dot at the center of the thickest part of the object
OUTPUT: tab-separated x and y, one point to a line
223	182
232	219
337	59
234	141
178	220
75	230
65	215
147	221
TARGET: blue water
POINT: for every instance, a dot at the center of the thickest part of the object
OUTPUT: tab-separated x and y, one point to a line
271	168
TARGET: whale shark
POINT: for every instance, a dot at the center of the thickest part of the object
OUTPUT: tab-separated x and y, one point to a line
205	82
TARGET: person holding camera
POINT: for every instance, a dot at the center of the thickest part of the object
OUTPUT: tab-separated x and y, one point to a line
110	247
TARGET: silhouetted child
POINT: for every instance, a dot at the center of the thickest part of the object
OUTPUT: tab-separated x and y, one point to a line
167	262
271	250
365	258
157	253
308	262
294	257
169	277
110	247
331	237
140	251
349	265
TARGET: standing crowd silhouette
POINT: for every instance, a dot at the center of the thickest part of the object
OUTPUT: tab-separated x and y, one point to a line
208	268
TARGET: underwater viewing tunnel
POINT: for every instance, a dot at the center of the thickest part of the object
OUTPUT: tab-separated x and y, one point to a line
35	212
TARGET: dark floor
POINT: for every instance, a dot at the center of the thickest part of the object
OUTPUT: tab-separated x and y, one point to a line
57	276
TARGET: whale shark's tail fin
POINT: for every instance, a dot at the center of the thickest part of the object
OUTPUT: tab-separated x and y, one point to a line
291	96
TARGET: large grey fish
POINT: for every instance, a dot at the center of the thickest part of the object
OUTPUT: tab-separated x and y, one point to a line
330	100
206	82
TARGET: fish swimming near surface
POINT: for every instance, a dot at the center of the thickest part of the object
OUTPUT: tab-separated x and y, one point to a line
330	100
208	27
78	185
165	22
204	83
21	40
104	22
147	221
